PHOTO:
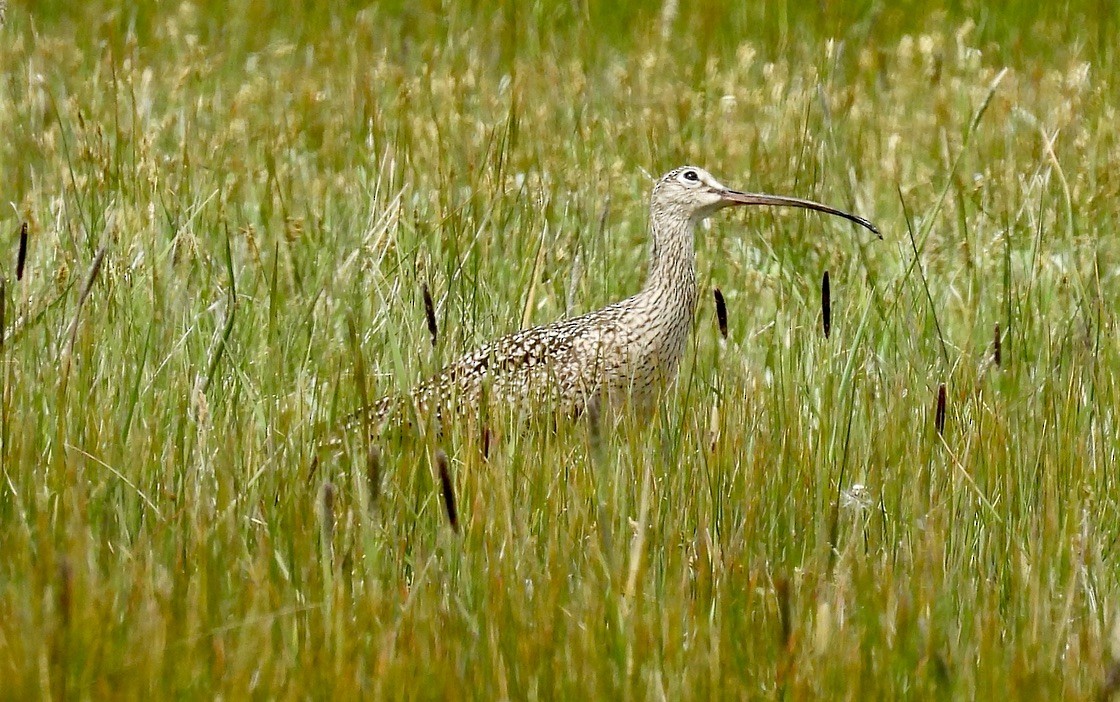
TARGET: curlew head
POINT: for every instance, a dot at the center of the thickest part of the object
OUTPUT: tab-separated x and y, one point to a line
694	193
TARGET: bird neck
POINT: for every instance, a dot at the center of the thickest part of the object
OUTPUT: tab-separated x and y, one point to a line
672	267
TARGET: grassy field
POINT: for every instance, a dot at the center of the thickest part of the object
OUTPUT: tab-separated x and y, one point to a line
232	208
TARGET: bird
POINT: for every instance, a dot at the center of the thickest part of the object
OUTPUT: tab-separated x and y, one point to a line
615	357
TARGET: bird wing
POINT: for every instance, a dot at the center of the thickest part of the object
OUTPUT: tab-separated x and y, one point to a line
560	364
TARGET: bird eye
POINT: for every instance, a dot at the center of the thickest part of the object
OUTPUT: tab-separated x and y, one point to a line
691	175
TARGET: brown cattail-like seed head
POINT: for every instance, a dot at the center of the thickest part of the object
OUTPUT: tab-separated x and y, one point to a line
721	312
939	419
997	347
373	474
65	590
444	466
21	257
826	305
781	591
430	313
326	507
1111	684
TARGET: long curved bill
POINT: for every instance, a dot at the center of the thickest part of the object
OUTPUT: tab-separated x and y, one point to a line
734	197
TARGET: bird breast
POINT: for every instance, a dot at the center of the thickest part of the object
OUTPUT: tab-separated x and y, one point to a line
651	340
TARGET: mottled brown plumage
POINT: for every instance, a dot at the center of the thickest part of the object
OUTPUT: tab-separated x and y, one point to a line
623	353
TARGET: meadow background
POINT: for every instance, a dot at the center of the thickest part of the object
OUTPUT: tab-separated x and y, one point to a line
232	208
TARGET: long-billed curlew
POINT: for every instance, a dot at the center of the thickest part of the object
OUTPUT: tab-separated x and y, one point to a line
622	352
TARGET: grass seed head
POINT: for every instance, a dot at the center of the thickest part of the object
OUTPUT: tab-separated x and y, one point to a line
443	464
326	511
65	590
721	312
826	305
1111	684
21	256
781	592
939	420
430	314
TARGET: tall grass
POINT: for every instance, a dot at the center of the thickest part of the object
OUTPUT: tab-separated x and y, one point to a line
274	189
